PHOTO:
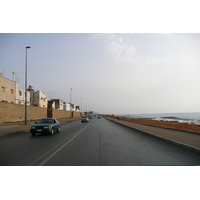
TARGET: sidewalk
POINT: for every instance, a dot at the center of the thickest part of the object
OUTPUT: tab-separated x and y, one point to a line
14	127
188	140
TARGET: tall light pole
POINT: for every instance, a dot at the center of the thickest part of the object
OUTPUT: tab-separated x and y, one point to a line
71	95
25	120
81	107
71	102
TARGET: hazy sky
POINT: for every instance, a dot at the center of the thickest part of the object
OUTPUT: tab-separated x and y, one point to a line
113	73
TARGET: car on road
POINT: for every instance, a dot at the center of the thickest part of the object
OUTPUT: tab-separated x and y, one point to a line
99	117
84	119
46	125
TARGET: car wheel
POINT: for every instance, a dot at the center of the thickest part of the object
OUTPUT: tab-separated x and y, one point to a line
33	134
52	131
58	129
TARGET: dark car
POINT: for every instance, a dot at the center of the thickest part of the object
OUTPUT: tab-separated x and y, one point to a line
85	119
99	117
46	125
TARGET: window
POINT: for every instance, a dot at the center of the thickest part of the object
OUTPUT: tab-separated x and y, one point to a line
3	89
20	93
12	91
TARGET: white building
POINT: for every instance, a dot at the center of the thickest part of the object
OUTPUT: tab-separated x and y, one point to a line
59	104
77	109
11	93
67	106
20	96
37	98
73	108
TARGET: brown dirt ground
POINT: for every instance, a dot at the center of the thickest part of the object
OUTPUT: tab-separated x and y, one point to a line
173	125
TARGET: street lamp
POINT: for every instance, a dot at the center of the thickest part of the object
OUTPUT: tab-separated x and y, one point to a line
81	107
71	95
25	120
71	102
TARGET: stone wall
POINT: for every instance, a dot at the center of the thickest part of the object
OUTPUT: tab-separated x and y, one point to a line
15	112
76	114
10	112
60	113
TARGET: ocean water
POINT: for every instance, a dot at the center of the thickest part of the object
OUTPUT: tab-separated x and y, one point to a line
188	118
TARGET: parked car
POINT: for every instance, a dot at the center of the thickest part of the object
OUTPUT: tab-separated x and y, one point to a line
46	125
84	119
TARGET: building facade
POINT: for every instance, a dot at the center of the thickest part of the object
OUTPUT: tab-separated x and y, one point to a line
59	104
20	96
37	98
77	109
8	90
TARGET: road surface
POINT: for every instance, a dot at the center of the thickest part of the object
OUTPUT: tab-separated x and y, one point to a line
97	143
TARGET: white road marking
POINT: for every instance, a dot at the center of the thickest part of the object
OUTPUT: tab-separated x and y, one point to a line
55	152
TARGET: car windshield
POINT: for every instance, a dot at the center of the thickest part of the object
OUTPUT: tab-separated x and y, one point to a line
46	121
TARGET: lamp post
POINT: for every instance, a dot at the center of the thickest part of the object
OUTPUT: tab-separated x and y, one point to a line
71	95
25	120
71	102
81	107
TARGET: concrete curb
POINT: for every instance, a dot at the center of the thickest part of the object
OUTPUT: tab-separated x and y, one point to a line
185	146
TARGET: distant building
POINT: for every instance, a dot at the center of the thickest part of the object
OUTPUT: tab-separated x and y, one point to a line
11	93
20	96
8	90
67	106
77	109
37	98
59	104
73	108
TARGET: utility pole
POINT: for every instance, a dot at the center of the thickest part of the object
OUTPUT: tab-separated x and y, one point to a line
25	120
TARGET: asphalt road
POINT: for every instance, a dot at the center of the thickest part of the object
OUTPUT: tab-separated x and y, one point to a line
97	143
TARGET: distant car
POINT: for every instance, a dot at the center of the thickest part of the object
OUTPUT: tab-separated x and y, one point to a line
85	119
90	117
46	125
99	117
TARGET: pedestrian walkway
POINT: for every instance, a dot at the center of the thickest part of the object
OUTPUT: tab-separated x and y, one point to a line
18	127
188	140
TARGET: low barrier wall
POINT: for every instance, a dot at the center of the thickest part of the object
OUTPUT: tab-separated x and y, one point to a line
10	112
15	112
60	113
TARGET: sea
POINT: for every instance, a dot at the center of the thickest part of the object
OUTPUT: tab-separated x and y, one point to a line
187	118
